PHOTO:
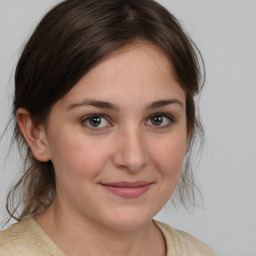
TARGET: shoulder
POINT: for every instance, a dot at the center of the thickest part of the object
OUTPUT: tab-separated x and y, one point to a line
16	240
181	243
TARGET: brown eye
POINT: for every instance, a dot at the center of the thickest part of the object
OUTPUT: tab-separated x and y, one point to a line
157	120
95	121
160	120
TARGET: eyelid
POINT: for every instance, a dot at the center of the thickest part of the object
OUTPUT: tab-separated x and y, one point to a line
93	115
169	116
87	117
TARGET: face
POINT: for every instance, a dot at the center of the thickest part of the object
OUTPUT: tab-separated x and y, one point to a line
117	140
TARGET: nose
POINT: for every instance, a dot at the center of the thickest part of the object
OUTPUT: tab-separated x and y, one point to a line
130	150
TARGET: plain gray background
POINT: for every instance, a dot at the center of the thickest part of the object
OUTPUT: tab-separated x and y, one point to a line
225	32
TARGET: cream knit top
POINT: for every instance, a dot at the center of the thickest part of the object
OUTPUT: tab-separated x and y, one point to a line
27	238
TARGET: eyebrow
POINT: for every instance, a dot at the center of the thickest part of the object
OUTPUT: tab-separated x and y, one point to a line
94	103
162	103
111	106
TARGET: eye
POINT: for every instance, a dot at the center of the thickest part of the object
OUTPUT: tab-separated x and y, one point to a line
160	120
95	121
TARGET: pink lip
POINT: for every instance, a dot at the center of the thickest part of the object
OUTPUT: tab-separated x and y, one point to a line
128	189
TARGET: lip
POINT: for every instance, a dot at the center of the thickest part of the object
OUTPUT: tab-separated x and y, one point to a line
128	189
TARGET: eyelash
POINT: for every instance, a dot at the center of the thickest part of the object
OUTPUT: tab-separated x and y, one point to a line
170	118
87	118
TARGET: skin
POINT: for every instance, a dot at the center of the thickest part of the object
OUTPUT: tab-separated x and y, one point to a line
127	146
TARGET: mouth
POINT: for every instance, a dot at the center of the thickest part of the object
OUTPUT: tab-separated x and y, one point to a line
128	189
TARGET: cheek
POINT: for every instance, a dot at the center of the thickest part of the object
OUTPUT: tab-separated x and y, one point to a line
75	157
168	155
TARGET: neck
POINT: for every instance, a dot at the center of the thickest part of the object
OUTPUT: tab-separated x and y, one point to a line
84	236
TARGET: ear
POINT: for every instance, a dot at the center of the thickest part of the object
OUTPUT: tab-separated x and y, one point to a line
34	135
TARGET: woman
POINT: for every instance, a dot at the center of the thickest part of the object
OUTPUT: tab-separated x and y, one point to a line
104	107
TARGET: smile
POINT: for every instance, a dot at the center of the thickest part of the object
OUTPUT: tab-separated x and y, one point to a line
128	189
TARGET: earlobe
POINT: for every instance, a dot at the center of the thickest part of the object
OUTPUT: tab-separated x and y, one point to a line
34	135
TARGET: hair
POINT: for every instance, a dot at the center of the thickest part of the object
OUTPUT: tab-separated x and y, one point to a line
69	41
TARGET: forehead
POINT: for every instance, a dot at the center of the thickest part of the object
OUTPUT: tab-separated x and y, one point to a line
141	56
141	70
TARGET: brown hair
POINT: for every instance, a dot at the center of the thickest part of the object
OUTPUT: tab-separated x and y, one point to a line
69	41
